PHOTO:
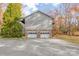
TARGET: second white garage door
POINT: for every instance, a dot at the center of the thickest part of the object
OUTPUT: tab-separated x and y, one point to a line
44	36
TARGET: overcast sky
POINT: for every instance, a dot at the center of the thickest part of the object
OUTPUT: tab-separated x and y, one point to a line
44	7
32	7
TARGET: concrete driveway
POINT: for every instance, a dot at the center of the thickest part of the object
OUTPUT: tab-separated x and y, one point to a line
38	47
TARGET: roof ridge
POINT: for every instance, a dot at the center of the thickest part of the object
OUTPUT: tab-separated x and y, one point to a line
40	12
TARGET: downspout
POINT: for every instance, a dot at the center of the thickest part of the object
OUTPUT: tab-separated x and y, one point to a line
22	22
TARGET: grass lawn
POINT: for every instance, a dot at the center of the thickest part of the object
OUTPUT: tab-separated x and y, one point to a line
22	38
73	39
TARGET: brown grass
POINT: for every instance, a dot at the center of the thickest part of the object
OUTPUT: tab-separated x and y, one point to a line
73	39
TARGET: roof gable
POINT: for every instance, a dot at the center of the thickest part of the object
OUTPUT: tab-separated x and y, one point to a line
41	13
38	21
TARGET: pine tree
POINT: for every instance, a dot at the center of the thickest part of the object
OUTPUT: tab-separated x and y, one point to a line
11	28
12	12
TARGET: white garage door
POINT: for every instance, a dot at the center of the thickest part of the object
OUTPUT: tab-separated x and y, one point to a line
32	36
44	36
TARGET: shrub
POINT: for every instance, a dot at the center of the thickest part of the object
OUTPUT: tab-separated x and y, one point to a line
63	29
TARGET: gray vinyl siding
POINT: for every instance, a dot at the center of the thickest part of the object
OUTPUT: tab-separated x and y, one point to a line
38	21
